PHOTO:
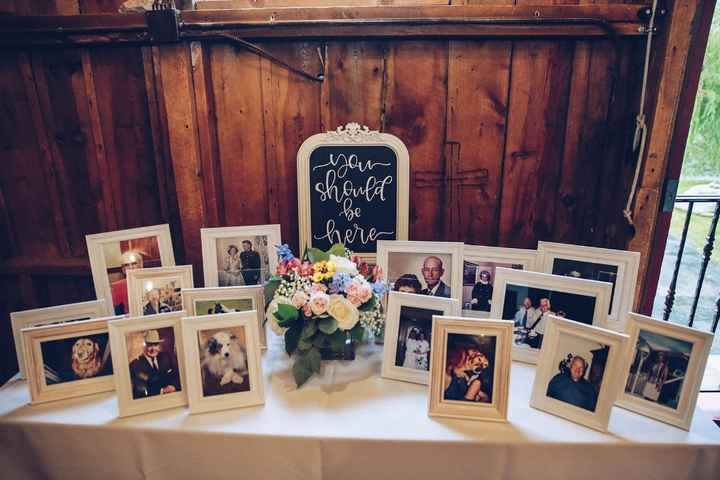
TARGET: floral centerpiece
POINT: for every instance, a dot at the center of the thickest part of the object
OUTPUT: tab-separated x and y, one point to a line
322	304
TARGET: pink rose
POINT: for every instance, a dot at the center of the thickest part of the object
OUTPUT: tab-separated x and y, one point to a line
319	303
306	269
282	269
294	265
355	300
365	292
352	289
317	288
377	273
299	299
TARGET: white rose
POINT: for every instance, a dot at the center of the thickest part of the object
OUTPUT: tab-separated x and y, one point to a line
270	314
342	310
344	265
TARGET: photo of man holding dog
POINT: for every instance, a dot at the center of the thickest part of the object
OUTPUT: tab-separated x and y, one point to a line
155	371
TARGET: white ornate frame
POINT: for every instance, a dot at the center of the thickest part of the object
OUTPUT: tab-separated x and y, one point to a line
190	328
98	264
397	300
701	344
352	134
613	375
254	292
208	237
51	315
118	330
516	256
503	276
32	337
627	264
496	411
137	277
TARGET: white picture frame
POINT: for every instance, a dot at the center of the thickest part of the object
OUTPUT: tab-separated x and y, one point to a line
143	279
119	330
448	307
525	258
210	236
40	390
51	315
386	249
198	401
626	262
493	411
700	344
255	293
558	331
352	134
97	242
600	291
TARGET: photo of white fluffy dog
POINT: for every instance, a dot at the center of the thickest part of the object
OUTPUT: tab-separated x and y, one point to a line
224	359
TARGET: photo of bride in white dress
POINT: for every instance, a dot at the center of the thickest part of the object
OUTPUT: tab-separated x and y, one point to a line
414	335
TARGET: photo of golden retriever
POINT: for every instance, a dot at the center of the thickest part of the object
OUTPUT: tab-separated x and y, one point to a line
86	361
76	358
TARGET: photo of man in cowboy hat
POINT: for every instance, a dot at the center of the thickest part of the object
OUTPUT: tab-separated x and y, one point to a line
155	371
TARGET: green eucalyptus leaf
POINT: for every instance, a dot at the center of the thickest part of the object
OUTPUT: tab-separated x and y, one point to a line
301	372
304	344
317	255
271	287
313	359
328	325
338	250
292	337
286	314
309	329
357	333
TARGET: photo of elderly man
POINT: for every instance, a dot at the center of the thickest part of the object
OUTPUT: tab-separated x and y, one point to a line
432	272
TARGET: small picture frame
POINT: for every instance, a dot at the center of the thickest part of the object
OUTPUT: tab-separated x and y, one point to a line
148	363
530	298
214	300
618	267
68	360
158	290
664	369
239	256
72	312
425	268
478	274
222	358
408	334
580	372
113	254
470	368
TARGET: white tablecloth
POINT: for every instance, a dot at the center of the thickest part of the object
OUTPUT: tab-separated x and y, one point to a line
371	428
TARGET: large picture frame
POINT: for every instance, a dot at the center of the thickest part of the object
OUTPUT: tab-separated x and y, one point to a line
619	267
113	247
485	345
51	315
566	392
262	240
478	274
85	369
664	369
354	137
230	299
588	299
167	281
414	313
134	397
216	382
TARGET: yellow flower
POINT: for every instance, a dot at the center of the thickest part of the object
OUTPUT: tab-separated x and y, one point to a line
323	271
343	311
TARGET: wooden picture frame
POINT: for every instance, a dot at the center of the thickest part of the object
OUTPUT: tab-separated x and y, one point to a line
144	279
120	330
70	312
82	365
591	295
255	293
552	388
209	238
203	367
625	262
353	136
97	244
679	403
496	337
448	307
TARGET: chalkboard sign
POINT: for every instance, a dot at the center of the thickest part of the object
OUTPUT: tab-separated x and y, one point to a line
353	189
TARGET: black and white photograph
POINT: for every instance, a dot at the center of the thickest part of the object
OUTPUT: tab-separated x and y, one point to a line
469	368
153	362
414	335
243	260
223	361
76	358
478	280
429	274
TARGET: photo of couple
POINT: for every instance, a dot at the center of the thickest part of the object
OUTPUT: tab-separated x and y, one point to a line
242	261
469	368
414	336
430	268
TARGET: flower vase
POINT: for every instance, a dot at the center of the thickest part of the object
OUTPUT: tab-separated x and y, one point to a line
347	352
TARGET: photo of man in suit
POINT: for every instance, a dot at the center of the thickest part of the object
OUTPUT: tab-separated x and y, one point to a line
250	260
433	271
155	371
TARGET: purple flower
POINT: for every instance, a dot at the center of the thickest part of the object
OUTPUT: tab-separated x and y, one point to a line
379	288
339	282
284	252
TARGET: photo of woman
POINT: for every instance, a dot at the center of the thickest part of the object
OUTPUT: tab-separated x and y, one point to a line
413	341
408	283
469	367
231	272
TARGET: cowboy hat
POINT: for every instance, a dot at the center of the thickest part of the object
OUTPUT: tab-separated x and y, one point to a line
152	336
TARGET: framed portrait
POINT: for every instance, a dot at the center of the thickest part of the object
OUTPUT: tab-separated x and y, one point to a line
617	267
158	290
580	372
72	312
222	358
113	254
530	298
425	268
664	369
236	256
68	359
147	364
478	274
213	300
408	334
470	368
